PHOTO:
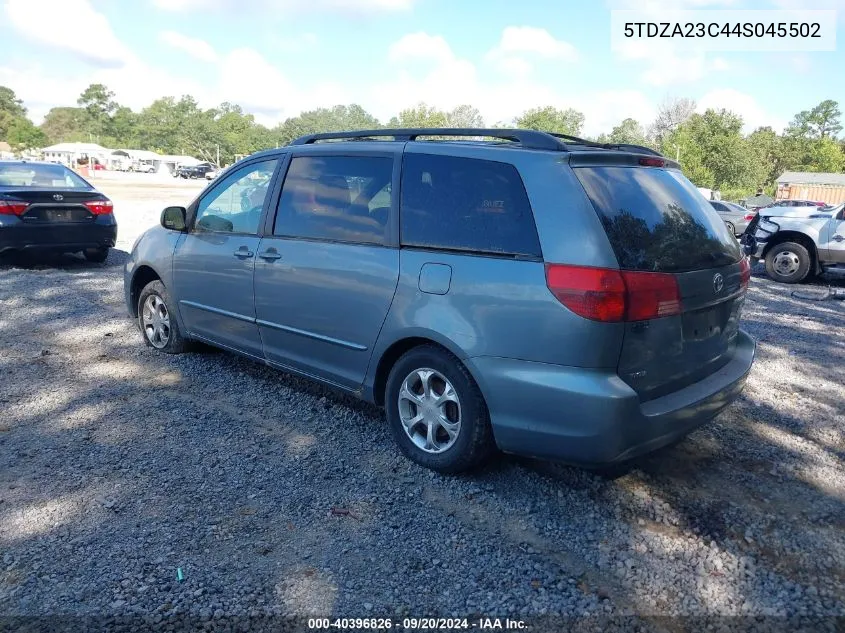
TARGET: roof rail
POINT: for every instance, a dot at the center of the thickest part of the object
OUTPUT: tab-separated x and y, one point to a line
531	139
622	146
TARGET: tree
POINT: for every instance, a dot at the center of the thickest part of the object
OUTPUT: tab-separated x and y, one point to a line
464	116
10	104
823	121
550	119
671	114
774	153
421	115
826	155
335	119
64	124
97	102
628	131
23	134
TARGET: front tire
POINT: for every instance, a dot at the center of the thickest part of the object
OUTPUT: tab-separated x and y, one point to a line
788	263
157	323
437	413
96	255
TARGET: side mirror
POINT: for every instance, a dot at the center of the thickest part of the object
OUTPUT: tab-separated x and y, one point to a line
174	218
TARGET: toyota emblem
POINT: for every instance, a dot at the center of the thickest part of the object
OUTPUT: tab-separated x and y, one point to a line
718	283
58	197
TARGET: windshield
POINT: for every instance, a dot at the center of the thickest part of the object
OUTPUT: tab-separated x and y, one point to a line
40	176
656	220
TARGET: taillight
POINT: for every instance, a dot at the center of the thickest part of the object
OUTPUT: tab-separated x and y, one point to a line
593	293
12	207
744	272
651	295
100	207
749	216
652	162
604	294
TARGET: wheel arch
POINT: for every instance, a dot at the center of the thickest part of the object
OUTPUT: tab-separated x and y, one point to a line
799	238
396	349
143	275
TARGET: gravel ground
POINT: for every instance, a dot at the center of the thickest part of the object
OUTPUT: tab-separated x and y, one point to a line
120	466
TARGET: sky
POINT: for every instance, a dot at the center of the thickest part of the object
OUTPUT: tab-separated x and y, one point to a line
277	58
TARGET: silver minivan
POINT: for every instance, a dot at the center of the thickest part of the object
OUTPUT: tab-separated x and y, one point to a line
492	289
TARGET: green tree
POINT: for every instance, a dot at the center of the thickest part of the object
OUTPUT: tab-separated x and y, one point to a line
64	124
823	121
464	116
99	105
628	131
23	134
826	155
422	115
338	118
550	119
9	102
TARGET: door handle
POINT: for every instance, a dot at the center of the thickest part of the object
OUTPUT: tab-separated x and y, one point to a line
244	252
270	254
838	238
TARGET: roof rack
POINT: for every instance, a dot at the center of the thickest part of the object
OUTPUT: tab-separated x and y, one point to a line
530	139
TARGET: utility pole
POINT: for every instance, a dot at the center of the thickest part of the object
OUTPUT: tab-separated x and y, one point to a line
218	155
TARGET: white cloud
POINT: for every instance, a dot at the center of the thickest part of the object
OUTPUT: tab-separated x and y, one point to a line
421	46
196	48
521	44
753	114
72	26
285	6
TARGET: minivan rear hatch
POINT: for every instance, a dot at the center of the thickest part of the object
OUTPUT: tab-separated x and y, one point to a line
657	221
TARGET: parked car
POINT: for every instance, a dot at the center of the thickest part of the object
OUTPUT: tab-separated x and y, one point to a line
194	171
144	168
212	174
48	207
736	218
796	247
795	203
542	294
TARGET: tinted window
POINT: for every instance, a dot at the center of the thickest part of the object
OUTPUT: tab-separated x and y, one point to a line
338	198
466	204
656	220
718	206
35	175
234	205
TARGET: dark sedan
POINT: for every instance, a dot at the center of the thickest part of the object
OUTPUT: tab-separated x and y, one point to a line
46	207
734	216
194	171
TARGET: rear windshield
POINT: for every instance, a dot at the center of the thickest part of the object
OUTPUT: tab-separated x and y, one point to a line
39	176
656	220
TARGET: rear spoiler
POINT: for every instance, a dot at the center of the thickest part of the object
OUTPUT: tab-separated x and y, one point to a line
589	158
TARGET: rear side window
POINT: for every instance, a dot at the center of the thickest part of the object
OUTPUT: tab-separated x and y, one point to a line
466	204
336	198
656	220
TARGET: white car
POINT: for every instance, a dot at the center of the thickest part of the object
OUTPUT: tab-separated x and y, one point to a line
144	168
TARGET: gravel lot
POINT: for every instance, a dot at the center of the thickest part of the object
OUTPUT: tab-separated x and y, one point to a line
120	466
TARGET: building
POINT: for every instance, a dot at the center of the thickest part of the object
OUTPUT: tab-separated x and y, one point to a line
67	153
805	185
6	151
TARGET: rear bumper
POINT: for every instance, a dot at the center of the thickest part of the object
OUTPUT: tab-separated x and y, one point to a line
16	235
591	417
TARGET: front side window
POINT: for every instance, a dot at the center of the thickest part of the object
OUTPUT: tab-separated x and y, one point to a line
235	204
466	204
336	198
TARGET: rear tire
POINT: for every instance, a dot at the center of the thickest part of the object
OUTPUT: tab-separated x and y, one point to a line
788	263
157	323
426	375
96	255
731	228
